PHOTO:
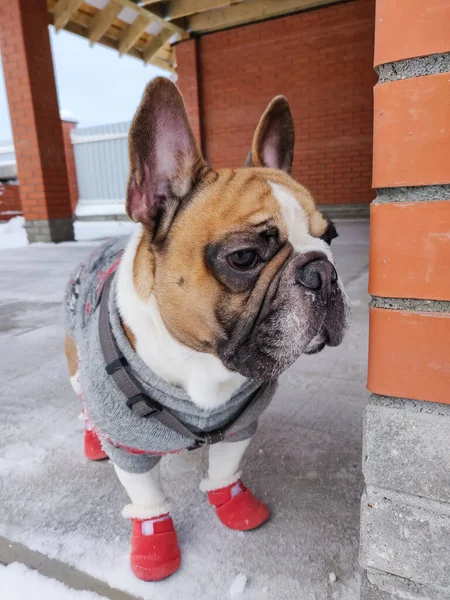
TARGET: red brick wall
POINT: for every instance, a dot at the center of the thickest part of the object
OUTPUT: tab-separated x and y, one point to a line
10	194
409	254
187	65
321	61
9	201
33	105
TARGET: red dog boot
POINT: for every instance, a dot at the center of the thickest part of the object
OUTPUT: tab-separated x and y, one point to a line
154	548
92	446
238	508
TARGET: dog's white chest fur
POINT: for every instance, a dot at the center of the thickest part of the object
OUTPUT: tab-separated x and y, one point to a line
203	376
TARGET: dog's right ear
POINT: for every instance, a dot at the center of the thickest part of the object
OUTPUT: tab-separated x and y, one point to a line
165	160
274	138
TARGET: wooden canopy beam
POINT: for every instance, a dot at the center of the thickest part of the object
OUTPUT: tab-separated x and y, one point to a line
155	16
247	12
132	33
110	43
184	8
162	64
103	20
63	12
151	50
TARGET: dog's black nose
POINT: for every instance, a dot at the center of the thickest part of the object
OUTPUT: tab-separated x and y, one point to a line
318	275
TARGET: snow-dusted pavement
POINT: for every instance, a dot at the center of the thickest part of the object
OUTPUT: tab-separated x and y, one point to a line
305	460
18	582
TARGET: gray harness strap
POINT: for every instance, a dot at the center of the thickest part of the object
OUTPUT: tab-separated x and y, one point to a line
137	400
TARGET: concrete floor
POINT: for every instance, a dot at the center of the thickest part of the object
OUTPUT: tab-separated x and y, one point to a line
61	514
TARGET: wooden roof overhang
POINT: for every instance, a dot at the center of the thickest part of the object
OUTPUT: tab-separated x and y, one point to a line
147	29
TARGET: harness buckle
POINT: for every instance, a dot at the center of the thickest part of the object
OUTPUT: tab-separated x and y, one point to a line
197	444
211	437
116	364
143	405
214	437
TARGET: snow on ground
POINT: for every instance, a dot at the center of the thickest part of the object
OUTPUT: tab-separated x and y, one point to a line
13	234
17	582
95	230
95	210
305	459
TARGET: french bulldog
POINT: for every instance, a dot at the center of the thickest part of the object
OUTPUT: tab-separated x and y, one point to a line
176	337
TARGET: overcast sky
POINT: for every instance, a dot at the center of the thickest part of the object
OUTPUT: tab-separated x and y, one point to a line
93	83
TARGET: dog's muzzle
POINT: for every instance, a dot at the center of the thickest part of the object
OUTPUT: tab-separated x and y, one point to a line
297	306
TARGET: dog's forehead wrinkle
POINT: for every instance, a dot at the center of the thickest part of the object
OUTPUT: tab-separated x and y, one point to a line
297	222
293	214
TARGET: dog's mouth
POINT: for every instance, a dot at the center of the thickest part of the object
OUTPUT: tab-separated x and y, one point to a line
279	339
268	352
318	343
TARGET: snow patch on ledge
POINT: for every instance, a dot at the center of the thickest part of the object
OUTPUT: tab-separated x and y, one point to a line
18	582
100	210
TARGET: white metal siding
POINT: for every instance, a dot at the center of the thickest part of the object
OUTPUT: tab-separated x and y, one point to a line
101	159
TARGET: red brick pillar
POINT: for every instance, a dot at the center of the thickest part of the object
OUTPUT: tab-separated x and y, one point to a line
188	56
9	202
36	125
405	518
67	126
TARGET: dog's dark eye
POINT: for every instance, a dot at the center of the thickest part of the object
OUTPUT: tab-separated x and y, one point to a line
243	259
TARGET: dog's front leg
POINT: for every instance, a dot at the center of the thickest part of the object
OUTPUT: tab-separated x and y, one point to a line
224	462
145	491
235	505
154	547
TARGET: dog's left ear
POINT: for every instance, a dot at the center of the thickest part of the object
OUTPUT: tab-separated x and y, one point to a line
165	160
330	232
273	142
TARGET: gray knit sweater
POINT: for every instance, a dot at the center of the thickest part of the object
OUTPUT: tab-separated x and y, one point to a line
132	441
